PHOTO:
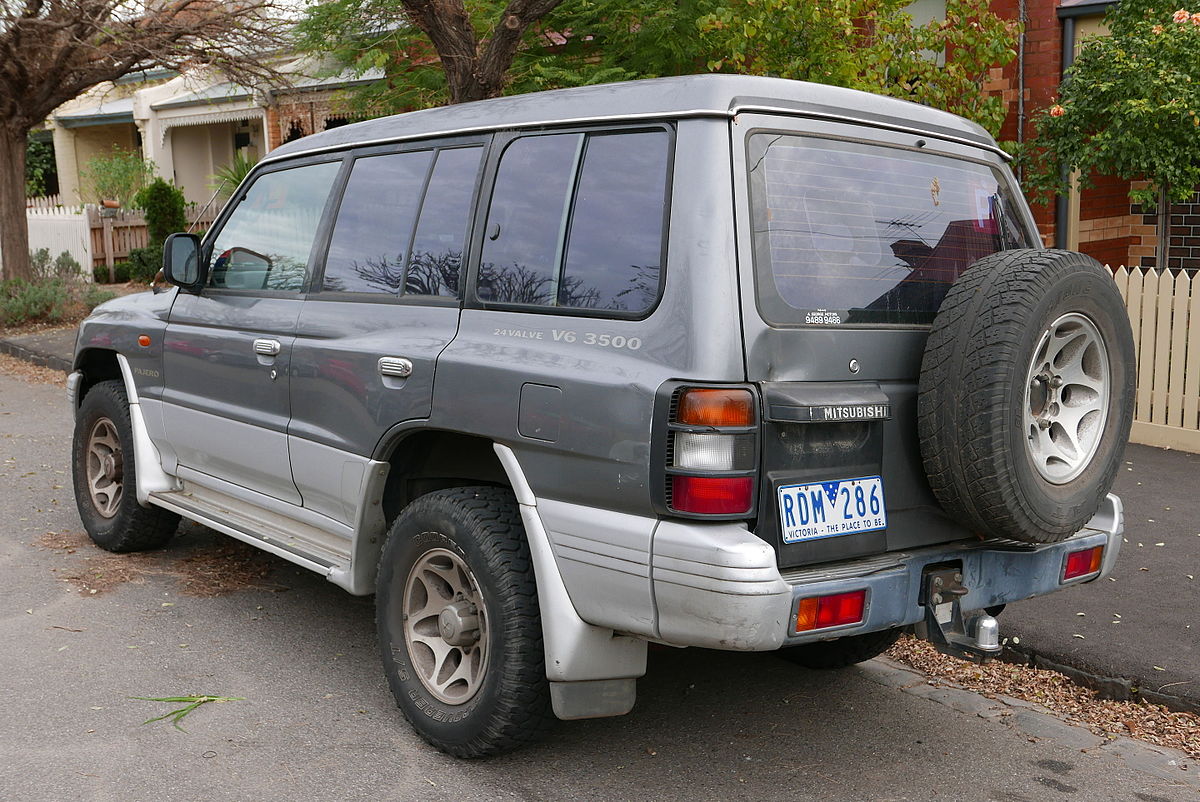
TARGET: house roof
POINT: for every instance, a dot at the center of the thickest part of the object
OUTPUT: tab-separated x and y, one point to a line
107	113
211	95
687	96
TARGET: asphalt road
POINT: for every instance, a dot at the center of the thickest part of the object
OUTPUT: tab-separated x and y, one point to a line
1142	626
317	719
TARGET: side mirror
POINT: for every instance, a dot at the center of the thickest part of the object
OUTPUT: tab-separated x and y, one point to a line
182	265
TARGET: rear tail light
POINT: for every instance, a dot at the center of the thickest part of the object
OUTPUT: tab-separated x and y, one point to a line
836	610
712	453
1083	563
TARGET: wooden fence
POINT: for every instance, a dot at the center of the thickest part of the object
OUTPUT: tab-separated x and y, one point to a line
94	238
1164	311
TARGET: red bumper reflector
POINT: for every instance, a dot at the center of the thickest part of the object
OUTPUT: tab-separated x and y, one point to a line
712	495
838	610
1082	563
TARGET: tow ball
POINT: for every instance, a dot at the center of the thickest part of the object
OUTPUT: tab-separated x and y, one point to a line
973	635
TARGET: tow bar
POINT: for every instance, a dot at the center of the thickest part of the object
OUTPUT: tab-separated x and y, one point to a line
976	638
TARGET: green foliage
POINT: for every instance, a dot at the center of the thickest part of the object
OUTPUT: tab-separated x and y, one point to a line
1130	106
23	301
864	44
40	169
121	271
164	206
228	178
144	263
117	176
93	296
62	266
190	703
870	45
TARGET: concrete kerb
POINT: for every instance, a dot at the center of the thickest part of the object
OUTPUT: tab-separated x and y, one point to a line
1119	689
1036	722
44	360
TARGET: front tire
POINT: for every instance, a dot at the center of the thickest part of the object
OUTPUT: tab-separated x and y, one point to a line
105	476
459	625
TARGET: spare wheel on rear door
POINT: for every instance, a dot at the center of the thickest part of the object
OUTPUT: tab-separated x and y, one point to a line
1026	394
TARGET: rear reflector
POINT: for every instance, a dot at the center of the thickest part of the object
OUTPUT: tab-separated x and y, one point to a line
716	407
1082	563
838	610
712	495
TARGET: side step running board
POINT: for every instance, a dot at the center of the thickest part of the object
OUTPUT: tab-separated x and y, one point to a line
225	517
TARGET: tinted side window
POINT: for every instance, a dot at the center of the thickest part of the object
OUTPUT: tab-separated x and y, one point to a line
615	244
576	221
265	243
437	248
375	222
524	233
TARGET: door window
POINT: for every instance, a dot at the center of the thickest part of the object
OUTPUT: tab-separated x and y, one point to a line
577	222
375	222
403	223
266	242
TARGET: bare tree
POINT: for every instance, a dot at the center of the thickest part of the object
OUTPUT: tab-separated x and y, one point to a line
54	50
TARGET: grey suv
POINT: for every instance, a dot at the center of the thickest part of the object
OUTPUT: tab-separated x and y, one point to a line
731	362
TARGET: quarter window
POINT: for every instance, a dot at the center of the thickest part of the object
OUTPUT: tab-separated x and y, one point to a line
266	242
576	222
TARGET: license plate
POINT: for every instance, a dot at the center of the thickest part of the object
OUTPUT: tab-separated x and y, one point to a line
829	509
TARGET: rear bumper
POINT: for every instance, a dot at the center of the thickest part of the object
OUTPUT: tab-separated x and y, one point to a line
723	590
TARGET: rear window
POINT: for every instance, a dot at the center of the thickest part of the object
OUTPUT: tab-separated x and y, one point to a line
846	232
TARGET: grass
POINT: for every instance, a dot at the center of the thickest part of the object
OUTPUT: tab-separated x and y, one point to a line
189	703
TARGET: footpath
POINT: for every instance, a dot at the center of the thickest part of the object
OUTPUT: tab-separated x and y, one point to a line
1133	635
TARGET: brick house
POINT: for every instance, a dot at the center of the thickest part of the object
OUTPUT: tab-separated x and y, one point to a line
1100	221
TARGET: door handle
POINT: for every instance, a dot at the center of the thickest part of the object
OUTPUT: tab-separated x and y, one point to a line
267	347
396	366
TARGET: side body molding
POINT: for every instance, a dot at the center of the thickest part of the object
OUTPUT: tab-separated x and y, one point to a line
584	663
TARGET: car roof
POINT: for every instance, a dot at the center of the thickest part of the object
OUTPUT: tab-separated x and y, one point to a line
658	98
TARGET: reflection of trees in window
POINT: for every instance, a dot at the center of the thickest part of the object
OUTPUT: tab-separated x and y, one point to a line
520	285
433	273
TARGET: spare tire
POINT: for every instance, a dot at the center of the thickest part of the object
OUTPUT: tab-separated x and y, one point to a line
1026	394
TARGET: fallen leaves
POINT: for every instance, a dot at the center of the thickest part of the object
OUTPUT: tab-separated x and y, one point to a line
1056	692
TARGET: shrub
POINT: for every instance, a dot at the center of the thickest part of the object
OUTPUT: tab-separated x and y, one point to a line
66	266
144	263
93	296
100	274
39	261
164	206
24	301
117	176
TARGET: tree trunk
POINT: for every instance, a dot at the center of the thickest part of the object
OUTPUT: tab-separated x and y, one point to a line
1163	250
14	227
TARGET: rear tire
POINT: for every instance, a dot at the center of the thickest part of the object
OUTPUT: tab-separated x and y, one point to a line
459	624
1026	394
843	652
105	476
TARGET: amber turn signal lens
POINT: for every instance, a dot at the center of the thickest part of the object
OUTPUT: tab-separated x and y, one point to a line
144	340
716	407
1082	563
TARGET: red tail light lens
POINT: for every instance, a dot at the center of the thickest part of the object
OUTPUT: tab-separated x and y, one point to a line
837	610
712	495
1082	563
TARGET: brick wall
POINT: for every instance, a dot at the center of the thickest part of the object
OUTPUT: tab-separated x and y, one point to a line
1185	236
299	114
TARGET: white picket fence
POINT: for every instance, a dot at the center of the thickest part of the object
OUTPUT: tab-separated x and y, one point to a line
58	229
1164	311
